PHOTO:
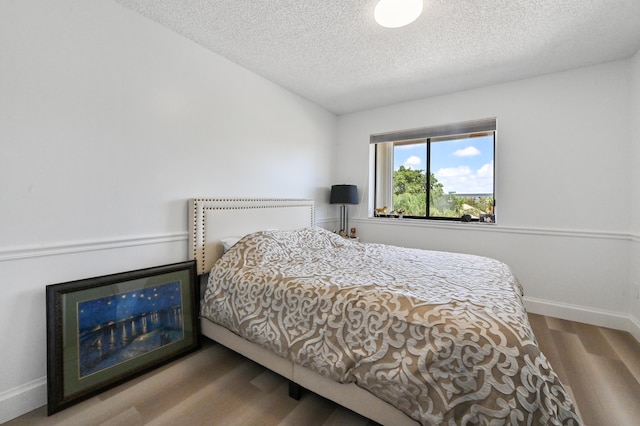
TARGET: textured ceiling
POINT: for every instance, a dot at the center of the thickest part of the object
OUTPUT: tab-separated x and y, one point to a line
333	53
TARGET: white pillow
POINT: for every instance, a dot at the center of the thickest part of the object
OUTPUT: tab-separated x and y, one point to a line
228	242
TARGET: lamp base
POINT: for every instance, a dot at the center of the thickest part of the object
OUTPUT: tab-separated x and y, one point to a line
344	220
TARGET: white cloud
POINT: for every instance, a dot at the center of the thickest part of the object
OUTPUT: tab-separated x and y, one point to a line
453	172
462	179
412	162
453	178
467	152
486	171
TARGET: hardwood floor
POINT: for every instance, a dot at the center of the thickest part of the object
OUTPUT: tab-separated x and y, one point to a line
600	366
215	386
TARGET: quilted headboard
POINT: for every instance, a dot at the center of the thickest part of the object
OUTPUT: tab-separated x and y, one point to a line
212	219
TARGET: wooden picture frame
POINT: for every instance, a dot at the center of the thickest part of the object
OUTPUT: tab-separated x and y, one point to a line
106	330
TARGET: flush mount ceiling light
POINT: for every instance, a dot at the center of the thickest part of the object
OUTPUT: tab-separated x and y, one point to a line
397	13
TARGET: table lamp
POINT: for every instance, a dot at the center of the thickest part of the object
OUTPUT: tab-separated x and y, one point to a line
344	194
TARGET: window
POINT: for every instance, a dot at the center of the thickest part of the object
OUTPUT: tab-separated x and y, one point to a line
444	172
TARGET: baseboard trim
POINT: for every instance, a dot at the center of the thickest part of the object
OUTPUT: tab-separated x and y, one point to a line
23	399
599	317
634	327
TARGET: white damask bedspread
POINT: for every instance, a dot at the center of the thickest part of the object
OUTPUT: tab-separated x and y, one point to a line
442	336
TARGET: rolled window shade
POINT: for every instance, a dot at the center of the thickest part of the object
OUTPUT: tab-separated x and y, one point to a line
444	130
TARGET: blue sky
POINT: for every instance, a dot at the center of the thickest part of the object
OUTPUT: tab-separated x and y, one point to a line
463	166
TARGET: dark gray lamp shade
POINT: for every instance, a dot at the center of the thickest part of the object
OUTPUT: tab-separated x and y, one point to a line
344	194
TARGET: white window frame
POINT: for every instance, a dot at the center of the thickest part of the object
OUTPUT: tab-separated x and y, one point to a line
381	179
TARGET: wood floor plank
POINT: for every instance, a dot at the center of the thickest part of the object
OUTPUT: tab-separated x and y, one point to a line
216	401
342	416
577	368
546	344
627	348
619	387
268	381
310	412
560	324
130	417
168	384
594	341
179	386
593	401
271	408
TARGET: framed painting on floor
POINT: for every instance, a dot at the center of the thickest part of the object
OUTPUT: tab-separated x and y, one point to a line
106	330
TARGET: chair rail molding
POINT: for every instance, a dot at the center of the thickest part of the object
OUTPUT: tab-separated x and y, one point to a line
88	245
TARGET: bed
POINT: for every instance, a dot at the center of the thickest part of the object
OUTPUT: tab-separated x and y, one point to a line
401	336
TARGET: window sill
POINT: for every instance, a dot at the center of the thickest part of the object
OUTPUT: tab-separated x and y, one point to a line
428	222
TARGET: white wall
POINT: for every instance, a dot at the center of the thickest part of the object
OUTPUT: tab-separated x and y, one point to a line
563	174
108	124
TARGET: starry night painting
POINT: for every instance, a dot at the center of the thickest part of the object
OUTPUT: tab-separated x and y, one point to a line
120	327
